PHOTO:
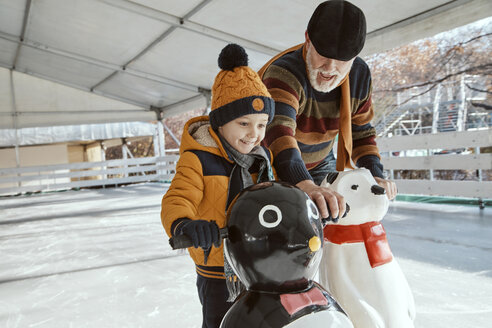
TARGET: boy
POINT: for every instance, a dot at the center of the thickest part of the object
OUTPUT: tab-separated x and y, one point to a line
219	156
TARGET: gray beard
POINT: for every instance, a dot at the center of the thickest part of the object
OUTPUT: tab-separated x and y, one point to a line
313	73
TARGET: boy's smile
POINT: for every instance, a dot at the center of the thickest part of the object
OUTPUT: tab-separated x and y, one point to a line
245	132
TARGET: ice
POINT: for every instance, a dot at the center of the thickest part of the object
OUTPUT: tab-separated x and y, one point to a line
100	258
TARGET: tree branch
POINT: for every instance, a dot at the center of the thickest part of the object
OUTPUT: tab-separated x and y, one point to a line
421	84
485	106
419	94
478	90
450	54
475	38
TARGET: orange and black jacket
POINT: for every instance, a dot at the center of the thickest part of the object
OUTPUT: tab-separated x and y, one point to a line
199	190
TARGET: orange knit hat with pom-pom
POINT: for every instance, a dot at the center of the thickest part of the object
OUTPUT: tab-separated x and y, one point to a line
237	89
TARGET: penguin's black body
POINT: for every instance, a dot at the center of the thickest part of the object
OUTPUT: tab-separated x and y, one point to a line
274	245
259	309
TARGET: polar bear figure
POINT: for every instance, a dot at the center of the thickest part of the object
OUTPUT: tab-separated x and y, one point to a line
358	267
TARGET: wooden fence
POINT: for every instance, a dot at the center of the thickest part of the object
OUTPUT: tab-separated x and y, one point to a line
86	174
428	152
426	146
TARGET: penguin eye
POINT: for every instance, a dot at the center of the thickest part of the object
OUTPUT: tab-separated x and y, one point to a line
270	216
354	187
312	209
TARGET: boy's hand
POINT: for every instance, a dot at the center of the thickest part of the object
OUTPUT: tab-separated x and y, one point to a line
202	233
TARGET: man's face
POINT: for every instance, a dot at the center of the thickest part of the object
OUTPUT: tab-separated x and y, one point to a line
325	73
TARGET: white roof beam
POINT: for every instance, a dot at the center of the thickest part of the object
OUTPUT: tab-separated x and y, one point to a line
450	15
76	112
97	62
169	31
152	44
185	23
27	13
196	102
145	107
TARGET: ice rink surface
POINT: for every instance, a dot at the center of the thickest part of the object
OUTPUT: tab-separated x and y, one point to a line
100	258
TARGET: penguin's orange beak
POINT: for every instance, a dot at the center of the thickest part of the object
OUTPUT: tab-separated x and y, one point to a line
314	243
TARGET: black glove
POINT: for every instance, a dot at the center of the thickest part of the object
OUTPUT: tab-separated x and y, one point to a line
335	220
202	233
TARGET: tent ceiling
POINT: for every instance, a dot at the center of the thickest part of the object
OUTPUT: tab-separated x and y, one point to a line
161	55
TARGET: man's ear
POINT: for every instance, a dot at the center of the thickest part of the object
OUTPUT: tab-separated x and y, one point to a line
306	36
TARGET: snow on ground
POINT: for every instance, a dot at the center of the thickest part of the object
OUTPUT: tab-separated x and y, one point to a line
100	258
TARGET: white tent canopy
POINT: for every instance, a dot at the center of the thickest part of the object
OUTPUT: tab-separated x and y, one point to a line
145	57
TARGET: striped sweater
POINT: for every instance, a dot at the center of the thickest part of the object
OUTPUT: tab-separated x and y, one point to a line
305	125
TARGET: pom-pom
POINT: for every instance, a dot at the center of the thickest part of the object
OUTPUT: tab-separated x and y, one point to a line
232	56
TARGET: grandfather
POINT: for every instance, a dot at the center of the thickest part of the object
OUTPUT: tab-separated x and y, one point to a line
322	89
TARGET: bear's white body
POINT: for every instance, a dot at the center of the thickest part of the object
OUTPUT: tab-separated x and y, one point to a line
357	266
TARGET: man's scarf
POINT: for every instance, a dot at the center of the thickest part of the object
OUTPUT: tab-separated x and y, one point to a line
344	150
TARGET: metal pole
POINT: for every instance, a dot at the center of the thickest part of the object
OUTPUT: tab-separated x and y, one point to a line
103	159
463	109
15	119
156	141
208	97
170	133
125	157
162	141
419	123
25	23
431	171
479	171
435	115
398	102
392	172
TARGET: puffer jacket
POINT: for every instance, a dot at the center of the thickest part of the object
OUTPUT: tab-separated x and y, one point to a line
199	189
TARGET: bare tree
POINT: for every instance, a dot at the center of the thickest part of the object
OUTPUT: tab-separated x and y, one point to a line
411	72
426	63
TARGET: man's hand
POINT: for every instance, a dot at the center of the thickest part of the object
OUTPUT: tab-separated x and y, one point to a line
323	196
389	186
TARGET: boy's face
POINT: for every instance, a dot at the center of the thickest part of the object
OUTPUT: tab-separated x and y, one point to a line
245	132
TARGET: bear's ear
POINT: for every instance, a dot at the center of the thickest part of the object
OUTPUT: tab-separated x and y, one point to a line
331	177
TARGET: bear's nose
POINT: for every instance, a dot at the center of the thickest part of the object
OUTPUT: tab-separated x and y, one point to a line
378	190
314	243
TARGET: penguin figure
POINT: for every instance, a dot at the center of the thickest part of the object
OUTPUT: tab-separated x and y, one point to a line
274	245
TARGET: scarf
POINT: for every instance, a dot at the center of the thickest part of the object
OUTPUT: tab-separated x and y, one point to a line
239	179
344	150
372	234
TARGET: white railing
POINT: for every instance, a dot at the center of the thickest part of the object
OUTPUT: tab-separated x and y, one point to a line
86	174
122	171
426	145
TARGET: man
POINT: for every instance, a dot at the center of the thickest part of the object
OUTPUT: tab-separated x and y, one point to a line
322	89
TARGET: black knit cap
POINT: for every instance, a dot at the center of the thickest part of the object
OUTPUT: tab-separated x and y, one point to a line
337	30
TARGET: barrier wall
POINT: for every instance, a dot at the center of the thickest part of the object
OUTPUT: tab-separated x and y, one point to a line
431	152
